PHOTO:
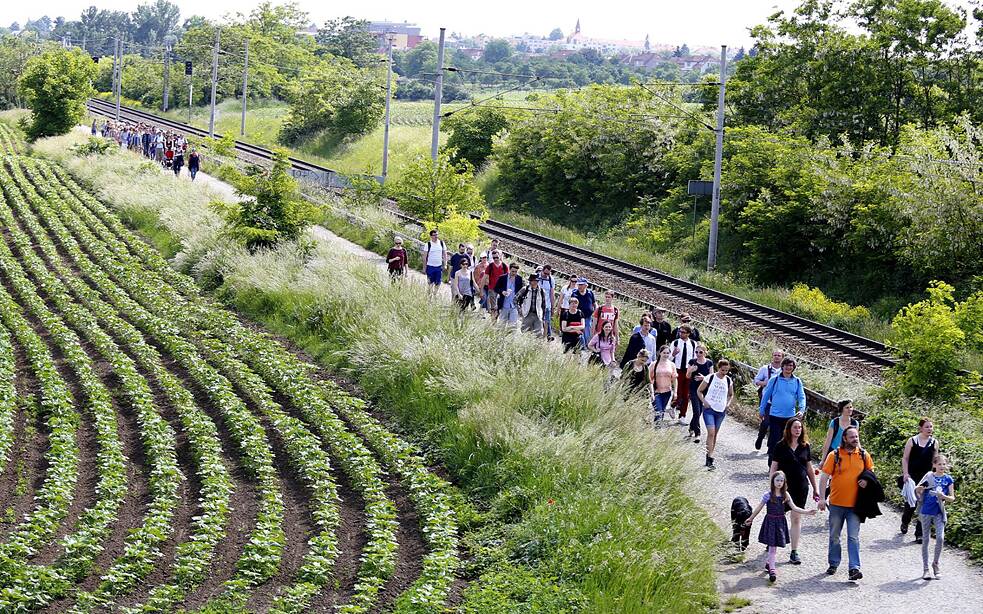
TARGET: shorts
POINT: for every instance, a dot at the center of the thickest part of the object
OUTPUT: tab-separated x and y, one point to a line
435	274
713	418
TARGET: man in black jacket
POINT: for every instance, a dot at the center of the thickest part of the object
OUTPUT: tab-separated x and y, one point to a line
642	340
661	328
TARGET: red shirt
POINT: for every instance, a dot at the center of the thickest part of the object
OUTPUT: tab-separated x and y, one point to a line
606	314
495	271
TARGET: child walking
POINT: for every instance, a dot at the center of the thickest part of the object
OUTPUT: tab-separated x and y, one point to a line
774	528
935	490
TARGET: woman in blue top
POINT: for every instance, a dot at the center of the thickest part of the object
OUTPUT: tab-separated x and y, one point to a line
787	396
936	489
834	434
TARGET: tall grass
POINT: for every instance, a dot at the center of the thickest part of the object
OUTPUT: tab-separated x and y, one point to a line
593	495
579	492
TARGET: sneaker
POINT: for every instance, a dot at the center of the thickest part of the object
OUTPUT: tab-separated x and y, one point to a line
771	575
938	572
855	574
794	559
697	439
904	528
683	420
710	465
757	443
926	575
918	539
708	461
831	570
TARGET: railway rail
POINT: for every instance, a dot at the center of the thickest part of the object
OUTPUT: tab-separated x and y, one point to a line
839	343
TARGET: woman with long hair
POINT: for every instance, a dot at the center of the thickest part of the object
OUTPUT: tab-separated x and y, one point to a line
793	457
663	375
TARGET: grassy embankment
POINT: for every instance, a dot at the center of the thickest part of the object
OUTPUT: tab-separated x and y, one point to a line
585	508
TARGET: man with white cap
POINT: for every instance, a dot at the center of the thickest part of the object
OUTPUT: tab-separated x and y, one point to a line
585	303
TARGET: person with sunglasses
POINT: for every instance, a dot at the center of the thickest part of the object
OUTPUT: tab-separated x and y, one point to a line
397	259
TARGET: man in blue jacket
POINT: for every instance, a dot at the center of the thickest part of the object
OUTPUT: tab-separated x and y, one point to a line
787	396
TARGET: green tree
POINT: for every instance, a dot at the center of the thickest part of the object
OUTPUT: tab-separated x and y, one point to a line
497	50
930	344
154	21
336	96
422	58
272	210
436	191
56	85
473	131
556	34
350	38
15	51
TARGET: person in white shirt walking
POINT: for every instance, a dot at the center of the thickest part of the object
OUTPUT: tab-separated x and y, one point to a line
435	260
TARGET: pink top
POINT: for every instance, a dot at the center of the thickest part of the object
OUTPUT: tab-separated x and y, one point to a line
664	371
605	347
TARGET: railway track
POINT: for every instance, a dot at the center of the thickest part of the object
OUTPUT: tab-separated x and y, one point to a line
838	343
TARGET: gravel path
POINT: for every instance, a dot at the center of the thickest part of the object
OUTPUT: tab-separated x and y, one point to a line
891	562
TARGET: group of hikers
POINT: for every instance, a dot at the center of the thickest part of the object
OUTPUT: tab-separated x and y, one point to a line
168	149
673	366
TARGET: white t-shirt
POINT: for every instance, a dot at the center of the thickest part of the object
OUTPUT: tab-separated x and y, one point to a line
435	253
717	392
565	297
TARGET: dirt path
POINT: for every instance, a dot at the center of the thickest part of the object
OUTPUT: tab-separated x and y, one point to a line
891	562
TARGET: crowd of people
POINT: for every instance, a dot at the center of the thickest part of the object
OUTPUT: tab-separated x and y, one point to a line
672	365
169	149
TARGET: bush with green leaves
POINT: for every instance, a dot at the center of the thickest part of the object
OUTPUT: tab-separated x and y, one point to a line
94	146
56	85
473	131
335	96
435	190
272	210
930	341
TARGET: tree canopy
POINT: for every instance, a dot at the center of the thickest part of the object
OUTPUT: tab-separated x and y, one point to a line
56	85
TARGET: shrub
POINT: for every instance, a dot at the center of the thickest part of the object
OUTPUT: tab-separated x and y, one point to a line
930	343
273	210
817	305
472	132
93	146
56	85
436	190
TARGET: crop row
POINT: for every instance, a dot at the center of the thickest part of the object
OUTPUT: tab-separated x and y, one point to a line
143	546
379	556
137	282
8	396
290	377
156	435
10	141
260	558
56	493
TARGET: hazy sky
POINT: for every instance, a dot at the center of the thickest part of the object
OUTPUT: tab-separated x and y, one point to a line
696	22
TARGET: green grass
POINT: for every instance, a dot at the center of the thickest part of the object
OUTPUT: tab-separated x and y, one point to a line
583	504
734	604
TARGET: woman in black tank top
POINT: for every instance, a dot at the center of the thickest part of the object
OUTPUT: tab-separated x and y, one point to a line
919	452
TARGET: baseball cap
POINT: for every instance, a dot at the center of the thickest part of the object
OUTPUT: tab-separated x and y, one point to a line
581	280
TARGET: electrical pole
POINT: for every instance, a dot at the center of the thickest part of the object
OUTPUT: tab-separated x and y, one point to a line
211	119
245	82
119	75
167	73
191	87
115	63
718	155
389	91
437	94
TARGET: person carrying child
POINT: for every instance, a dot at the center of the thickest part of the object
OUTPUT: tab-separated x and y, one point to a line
935	490
774	528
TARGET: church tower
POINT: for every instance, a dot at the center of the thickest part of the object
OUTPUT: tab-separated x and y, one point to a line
576	29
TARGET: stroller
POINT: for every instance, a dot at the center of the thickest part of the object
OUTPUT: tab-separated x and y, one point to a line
740	510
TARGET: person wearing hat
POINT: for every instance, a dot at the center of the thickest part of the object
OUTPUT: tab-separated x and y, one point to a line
397	259
496	270
585	302
694	332
532	306
507	287
435	260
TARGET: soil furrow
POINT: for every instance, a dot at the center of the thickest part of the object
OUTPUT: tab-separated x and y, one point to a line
85	441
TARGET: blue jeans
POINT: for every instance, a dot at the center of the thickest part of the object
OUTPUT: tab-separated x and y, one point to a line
838	514
585	337
659	404
548	321
509	315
